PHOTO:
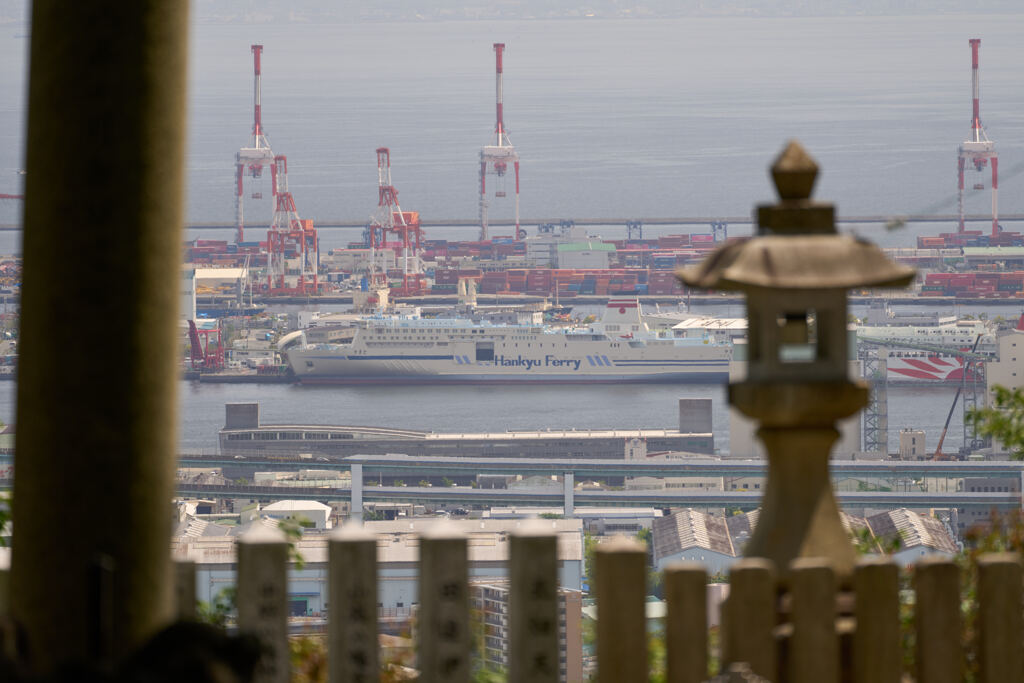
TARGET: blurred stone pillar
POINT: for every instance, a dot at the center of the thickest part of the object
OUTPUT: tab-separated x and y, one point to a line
97	416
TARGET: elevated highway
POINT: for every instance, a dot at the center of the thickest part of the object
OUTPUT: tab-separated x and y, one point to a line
565	495
654	467
556	498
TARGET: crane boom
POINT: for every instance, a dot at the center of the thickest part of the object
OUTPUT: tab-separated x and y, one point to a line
942	437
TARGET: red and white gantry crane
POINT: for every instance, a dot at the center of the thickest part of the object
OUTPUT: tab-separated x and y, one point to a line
495	159
978	151
251	160
405	225
292	243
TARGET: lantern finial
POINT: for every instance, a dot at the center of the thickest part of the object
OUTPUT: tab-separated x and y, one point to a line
794	173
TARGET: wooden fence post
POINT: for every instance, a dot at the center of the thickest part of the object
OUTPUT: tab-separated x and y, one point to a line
185	589
443	637
1000	655
937	620
621	583
352	643
533	606
750	618
877	656
814	648
262	599
5	596
686	623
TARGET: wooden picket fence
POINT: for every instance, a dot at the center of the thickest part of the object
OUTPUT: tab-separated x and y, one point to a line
811	629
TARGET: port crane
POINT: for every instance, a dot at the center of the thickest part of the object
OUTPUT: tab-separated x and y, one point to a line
978	151
405	225
292	243
250	161
495	159
971	376
207	352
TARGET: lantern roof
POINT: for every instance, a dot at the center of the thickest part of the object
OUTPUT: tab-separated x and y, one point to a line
797	262
797	246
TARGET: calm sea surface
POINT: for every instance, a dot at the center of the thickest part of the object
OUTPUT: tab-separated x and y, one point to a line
471	408
611	119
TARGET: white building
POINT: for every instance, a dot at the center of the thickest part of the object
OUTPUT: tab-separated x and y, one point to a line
912	445
542	249
1008	371
361	260
596	520
188	294
592	254
318	514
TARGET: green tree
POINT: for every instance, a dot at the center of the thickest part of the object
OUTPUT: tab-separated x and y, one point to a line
5	515
1003	420
220	610
589	546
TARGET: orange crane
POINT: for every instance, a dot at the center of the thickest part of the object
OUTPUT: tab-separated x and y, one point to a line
939	455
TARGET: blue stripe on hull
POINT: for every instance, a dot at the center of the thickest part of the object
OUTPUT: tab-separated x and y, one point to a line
660	378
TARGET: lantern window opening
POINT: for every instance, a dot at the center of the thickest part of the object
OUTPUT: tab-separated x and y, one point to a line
798	336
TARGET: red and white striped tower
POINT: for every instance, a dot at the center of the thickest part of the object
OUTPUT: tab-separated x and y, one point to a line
978	151
251	160
495	159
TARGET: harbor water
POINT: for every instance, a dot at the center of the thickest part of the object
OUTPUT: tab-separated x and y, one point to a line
497	408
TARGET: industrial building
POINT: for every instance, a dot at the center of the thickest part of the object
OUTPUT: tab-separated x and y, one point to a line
717	542
244	433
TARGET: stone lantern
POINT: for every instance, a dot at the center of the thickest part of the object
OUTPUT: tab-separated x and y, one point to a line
795	273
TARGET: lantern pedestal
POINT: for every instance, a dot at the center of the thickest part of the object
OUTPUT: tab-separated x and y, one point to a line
799	515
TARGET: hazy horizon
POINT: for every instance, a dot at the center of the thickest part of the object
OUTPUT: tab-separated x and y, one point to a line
310	11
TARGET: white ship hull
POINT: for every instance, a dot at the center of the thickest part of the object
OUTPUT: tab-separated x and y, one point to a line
620	349
313	366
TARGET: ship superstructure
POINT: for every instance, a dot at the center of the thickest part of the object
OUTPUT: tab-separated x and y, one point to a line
927	347
618	348
946	332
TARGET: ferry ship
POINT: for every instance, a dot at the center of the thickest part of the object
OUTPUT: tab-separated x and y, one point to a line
921	348
409	350
931	331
